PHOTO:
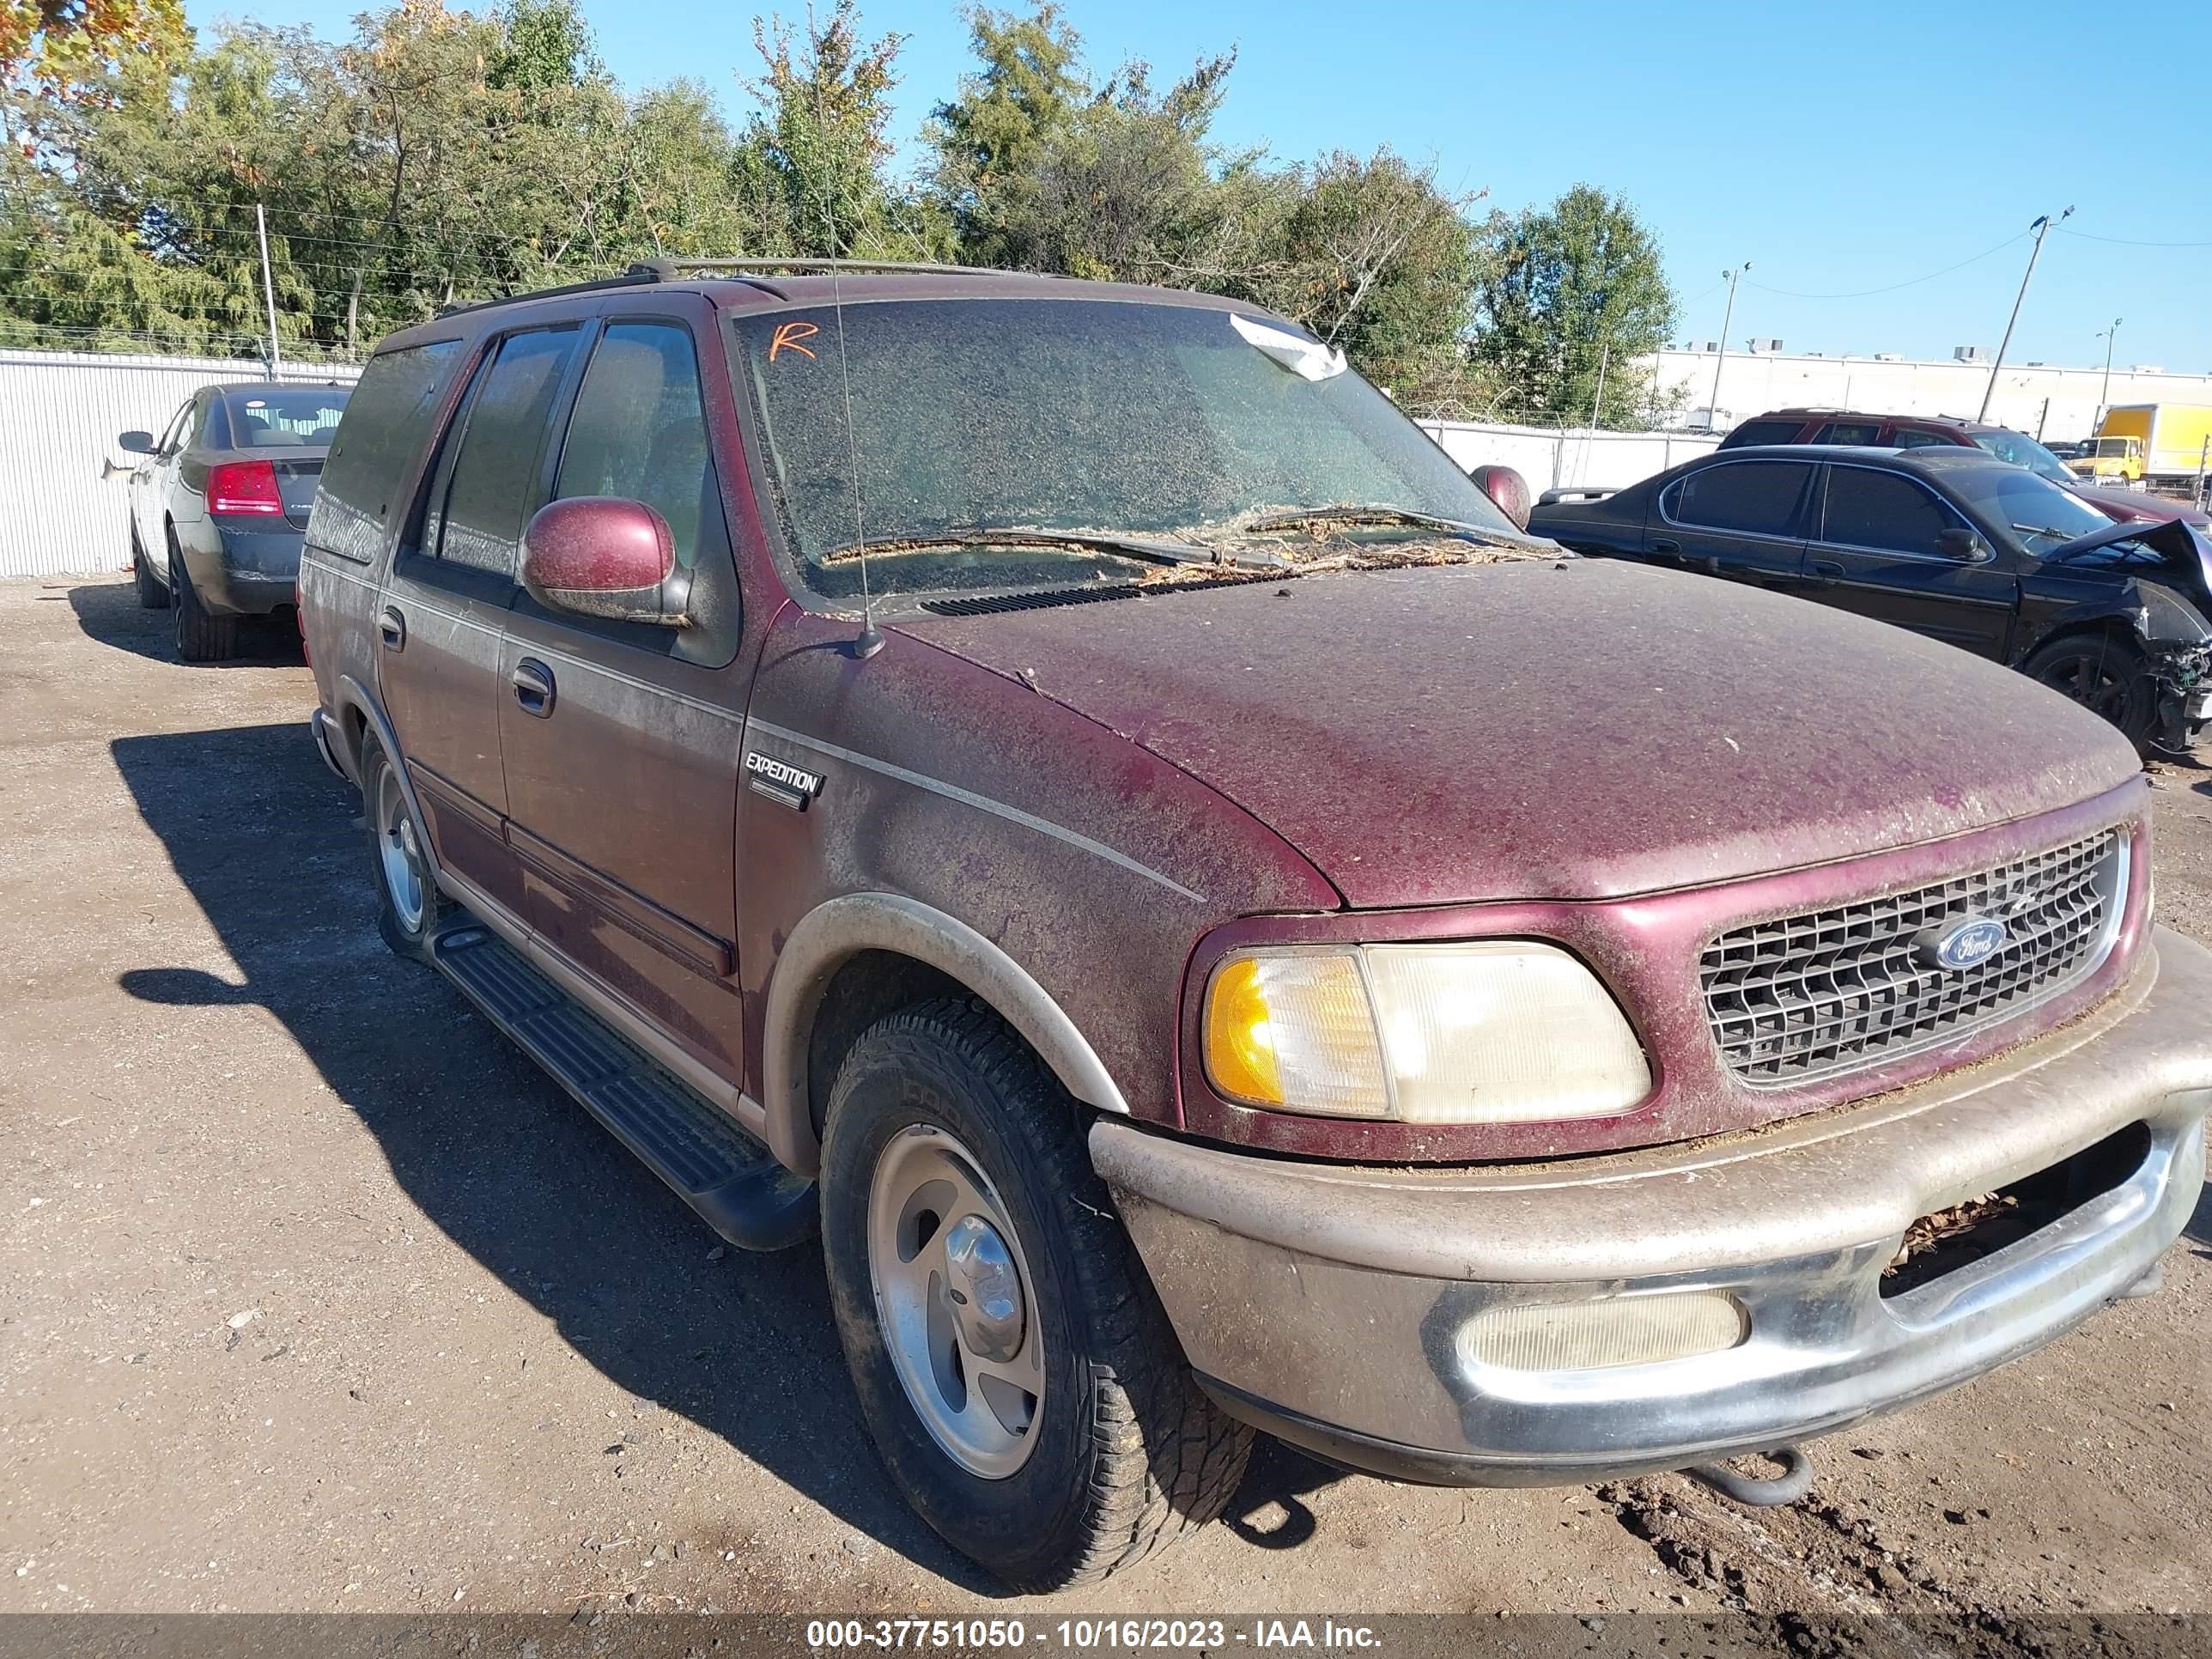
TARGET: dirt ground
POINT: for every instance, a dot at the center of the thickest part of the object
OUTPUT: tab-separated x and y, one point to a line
316	1297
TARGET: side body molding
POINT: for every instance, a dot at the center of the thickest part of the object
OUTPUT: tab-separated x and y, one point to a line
832	934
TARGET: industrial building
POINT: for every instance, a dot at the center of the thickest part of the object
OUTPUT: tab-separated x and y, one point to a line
2045	400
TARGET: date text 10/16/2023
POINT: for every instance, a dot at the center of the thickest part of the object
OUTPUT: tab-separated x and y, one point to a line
1088	1635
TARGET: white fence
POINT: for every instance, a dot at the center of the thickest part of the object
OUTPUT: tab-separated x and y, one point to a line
1574	459
59	415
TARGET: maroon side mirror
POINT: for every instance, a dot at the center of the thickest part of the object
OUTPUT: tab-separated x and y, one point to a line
1507	489
599	556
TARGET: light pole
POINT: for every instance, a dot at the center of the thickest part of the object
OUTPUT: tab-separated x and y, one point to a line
2104	398
2042	228
1731	277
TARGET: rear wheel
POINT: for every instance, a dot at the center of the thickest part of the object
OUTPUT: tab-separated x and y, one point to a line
1013	1361
2104	675
201	637
152	593
409	907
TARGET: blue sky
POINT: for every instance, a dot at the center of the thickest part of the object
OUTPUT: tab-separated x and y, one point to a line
1839	151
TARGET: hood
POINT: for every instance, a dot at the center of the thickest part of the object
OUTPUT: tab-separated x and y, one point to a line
2137	506
2185	551
1578	729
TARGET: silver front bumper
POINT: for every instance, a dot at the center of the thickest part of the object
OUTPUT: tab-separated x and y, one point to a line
1324	1303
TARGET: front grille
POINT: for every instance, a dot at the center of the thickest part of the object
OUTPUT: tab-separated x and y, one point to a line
1810	996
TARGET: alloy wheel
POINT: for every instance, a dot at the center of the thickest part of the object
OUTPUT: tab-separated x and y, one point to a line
399	852
953	1296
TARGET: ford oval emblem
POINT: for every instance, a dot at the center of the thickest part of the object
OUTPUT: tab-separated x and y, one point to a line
1973	939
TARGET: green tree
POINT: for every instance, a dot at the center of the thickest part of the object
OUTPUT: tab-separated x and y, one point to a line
1040	171
1372	257
1563	292
815	153
64	49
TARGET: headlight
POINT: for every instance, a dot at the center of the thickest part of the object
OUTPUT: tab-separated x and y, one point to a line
1500	1031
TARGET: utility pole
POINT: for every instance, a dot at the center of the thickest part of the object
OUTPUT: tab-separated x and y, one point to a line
2042	228
1597	407
268	293
2104	398
1713	411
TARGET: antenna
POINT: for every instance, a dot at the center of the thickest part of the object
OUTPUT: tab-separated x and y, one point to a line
870	640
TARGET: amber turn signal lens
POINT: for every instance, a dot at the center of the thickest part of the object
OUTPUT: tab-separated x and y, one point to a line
1240	1048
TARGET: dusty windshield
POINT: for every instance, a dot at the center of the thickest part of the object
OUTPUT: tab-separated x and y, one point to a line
1050	443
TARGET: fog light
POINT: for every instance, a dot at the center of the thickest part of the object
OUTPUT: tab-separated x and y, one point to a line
1622	1330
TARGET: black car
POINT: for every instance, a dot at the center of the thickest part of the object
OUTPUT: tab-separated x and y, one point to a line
218	506
1951	543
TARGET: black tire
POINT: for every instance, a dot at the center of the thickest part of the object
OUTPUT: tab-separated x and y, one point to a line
153	593
1129	1454
2105	674
407	927
201	637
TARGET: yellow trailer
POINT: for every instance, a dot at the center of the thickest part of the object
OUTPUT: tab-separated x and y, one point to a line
2162	446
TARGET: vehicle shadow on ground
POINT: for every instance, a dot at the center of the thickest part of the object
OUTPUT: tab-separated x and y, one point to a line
110	613
512	1170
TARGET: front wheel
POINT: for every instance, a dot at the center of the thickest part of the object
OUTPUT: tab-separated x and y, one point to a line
2106	676
1013	1364
153	595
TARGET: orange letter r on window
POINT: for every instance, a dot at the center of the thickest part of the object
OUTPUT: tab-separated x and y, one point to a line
790	334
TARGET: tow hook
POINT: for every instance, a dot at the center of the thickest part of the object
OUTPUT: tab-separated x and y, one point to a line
1761	1492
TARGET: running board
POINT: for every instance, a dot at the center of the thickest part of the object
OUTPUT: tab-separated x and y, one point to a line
732	1180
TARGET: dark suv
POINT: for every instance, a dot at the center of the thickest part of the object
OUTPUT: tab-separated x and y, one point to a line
1843	426
1066	786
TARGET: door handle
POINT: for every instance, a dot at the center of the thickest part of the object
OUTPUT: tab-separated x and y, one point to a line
1824	572
393	626
533	687
1669	549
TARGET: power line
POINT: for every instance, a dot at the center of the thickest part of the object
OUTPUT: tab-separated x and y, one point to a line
1863	293
2122	241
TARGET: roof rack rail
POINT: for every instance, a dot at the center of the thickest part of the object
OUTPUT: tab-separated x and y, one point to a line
645	270
737	267
744	261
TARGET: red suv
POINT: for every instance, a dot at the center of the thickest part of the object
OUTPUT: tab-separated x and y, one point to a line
1837	426
1069	789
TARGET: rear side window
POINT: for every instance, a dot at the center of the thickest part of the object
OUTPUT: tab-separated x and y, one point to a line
1907	438
494	478
1763	432
1881	510
1757	498
1848	432
640	430
386	421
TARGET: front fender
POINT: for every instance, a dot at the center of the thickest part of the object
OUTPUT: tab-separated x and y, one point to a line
832	934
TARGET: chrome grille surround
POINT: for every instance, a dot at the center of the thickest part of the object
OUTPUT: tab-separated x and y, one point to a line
1837	990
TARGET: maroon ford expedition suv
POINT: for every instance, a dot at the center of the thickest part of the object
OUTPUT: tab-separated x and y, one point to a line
1065	788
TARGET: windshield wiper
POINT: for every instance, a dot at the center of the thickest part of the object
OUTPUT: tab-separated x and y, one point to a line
1148	550
1378	515
2043	530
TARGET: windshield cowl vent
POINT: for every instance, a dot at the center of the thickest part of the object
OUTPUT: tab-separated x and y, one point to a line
984	604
